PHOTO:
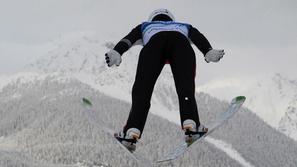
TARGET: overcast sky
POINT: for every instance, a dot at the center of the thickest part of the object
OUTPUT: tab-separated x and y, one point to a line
258	36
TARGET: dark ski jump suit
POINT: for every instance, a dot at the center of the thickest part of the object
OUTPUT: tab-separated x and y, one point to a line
173	46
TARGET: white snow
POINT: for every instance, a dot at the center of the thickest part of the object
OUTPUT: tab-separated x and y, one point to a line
18	77
231	152
267	96
7	143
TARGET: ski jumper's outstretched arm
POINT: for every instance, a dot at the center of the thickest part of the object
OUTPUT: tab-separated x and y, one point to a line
199	40
127	42
210	55
113	57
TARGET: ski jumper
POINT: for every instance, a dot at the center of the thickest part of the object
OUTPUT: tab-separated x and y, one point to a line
164	41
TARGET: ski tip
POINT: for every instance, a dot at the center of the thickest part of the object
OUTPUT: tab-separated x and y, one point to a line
86	101
240	98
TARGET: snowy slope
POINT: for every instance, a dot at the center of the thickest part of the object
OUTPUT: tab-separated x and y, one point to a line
52	128
22	77
288	123
272	98
46	125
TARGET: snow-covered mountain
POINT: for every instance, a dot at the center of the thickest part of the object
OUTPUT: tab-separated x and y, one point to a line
43	123
288	123
273	98
76	68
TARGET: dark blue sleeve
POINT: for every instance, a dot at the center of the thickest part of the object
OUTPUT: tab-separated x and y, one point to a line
199	40
124	44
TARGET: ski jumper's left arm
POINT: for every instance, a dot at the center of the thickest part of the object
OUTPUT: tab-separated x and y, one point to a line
127	42
199	40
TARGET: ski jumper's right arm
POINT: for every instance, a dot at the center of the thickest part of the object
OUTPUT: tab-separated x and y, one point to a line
113	57
127	42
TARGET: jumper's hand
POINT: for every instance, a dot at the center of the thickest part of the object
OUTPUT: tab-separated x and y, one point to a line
113	58
214	55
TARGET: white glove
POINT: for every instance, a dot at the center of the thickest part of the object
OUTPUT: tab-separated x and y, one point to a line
214	55
113	58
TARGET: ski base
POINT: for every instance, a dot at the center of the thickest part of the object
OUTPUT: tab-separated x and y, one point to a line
234	106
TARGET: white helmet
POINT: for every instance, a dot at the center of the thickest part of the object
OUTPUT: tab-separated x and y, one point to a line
161	11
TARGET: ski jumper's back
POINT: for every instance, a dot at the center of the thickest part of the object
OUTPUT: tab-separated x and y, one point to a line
146	30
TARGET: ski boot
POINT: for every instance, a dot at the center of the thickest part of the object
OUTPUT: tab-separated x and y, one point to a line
191	132
130	139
